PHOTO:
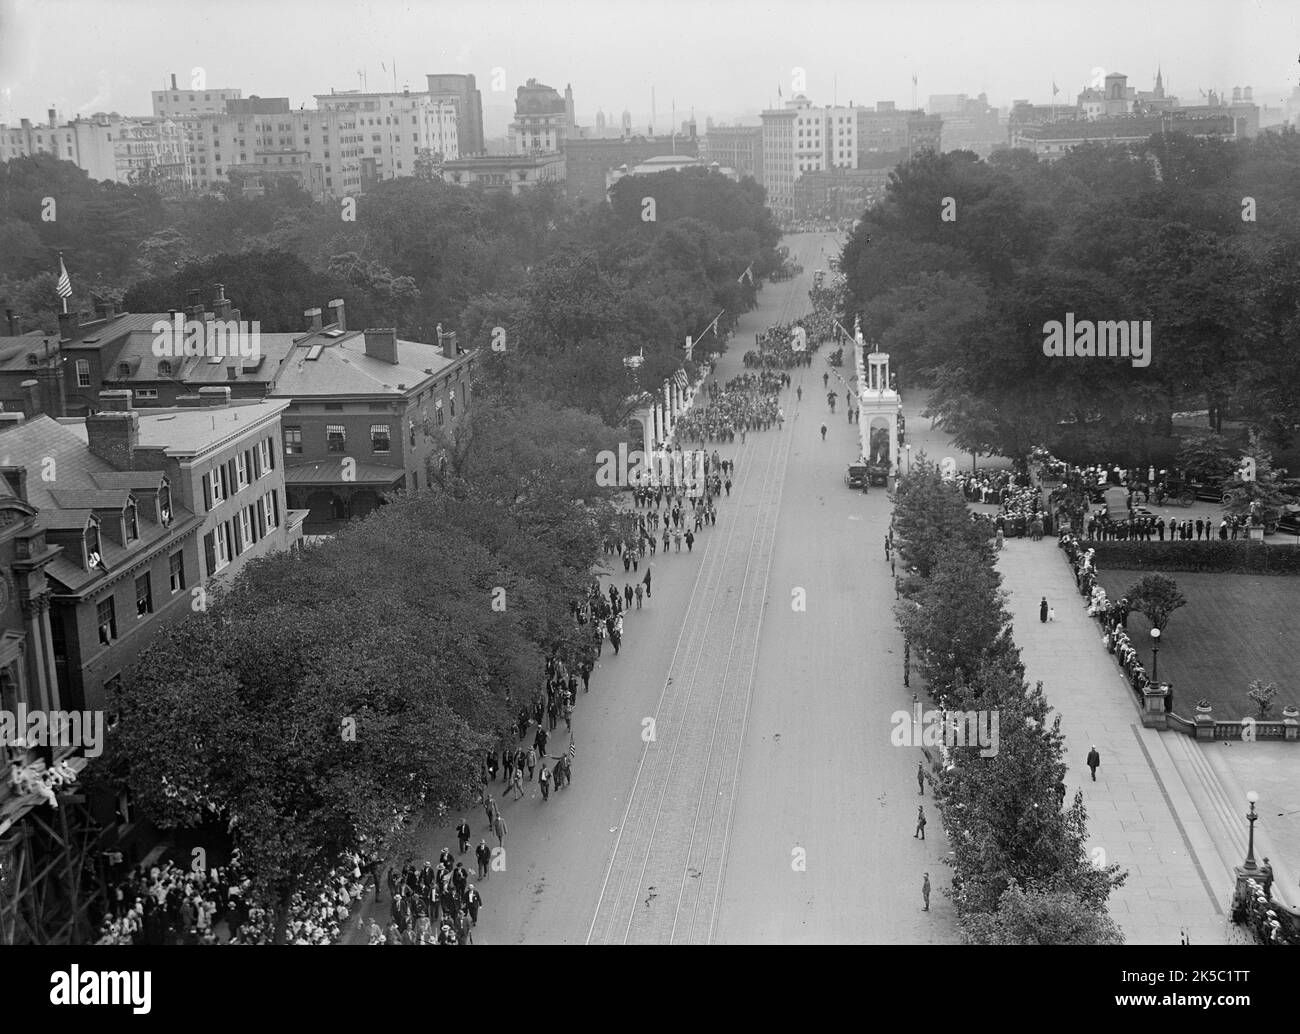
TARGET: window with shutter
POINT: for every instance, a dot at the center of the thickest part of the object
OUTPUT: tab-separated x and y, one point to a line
275	507
260	507
256	455
239	542
210	554
207	492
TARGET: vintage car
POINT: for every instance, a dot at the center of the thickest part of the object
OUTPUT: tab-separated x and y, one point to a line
856	476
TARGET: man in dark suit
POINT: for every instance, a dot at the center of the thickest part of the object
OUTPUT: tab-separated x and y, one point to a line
462	835
1094	761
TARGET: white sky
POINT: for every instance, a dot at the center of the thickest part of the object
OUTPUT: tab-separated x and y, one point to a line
725	57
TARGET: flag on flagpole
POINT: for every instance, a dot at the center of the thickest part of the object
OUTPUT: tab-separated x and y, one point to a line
1055	90
913	78
573	751
778	90
65	284
680	379
748	273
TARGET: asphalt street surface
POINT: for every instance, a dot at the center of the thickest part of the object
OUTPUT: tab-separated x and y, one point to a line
734	779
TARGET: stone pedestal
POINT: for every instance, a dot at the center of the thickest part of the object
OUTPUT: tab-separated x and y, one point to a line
1255	533
1153	708
1204	726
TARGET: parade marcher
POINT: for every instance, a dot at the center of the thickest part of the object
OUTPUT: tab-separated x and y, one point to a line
544	778
532	762
482	855
462	835
473	902
920	822
823	432
1094	761
499	828
1042	610
920	779
925	892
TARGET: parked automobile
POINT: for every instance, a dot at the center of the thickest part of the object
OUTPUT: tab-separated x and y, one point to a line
856	476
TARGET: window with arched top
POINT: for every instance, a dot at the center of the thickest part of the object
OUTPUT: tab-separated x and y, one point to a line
164	368
123	370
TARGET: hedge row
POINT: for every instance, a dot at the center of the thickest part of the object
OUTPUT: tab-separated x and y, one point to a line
1240	557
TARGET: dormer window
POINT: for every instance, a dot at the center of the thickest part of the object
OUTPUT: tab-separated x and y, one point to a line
93	558
132	522
123	371
164	369
165	507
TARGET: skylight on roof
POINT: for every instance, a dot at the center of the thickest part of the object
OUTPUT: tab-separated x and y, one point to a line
214	359
314	351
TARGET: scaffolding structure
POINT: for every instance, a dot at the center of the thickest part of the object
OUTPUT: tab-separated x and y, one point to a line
50	885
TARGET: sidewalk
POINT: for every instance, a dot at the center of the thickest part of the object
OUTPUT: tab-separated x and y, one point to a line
1140	811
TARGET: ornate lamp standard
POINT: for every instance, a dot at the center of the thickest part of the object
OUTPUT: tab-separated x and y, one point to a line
909	457
1251	816
1155	656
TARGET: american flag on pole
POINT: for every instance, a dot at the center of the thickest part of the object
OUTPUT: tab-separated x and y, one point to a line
681	380
573	751
748	273
65	284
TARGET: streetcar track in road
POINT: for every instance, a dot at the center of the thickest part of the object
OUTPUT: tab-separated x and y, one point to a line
751	609
713	564
705	666
679	697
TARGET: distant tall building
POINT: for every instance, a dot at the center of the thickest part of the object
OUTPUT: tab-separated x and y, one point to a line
463	90
589	162
543	118
600	122
736	147
176	102
107	147
397	131
627	122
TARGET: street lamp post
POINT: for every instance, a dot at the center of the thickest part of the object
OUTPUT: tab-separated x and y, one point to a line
1251	816
1155	656
908	448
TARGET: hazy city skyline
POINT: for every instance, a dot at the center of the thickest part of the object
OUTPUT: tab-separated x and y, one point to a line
725	60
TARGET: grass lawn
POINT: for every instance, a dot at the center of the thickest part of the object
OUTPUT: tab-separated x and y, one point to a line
1234	629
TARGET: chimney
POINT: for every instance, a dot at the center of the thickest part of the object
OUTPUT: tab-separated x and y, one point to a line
189	401
312	316
32	393
173	80
1248	95
194	310
105	310
12	322
336	313
116	400
69	322
214	395
381	344
113	436
16	478
221	304
53	120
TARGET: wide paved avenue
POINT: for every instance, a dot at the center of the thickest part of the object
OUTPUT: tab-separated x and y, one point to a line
770	806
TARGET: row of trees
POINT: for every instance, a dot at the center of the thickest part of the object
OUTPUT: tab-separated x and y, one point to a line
1021	869
568	292
332	696
960	267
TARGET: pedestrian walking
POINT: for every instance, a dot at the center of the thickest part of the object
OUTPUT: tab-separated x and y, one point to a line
646	580
920	822
473	902
499	828
482	855
823	432
490	808
925	892
920	779
1094	761
544	777
462	835
517	785
639	593
1051	613
1042	610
